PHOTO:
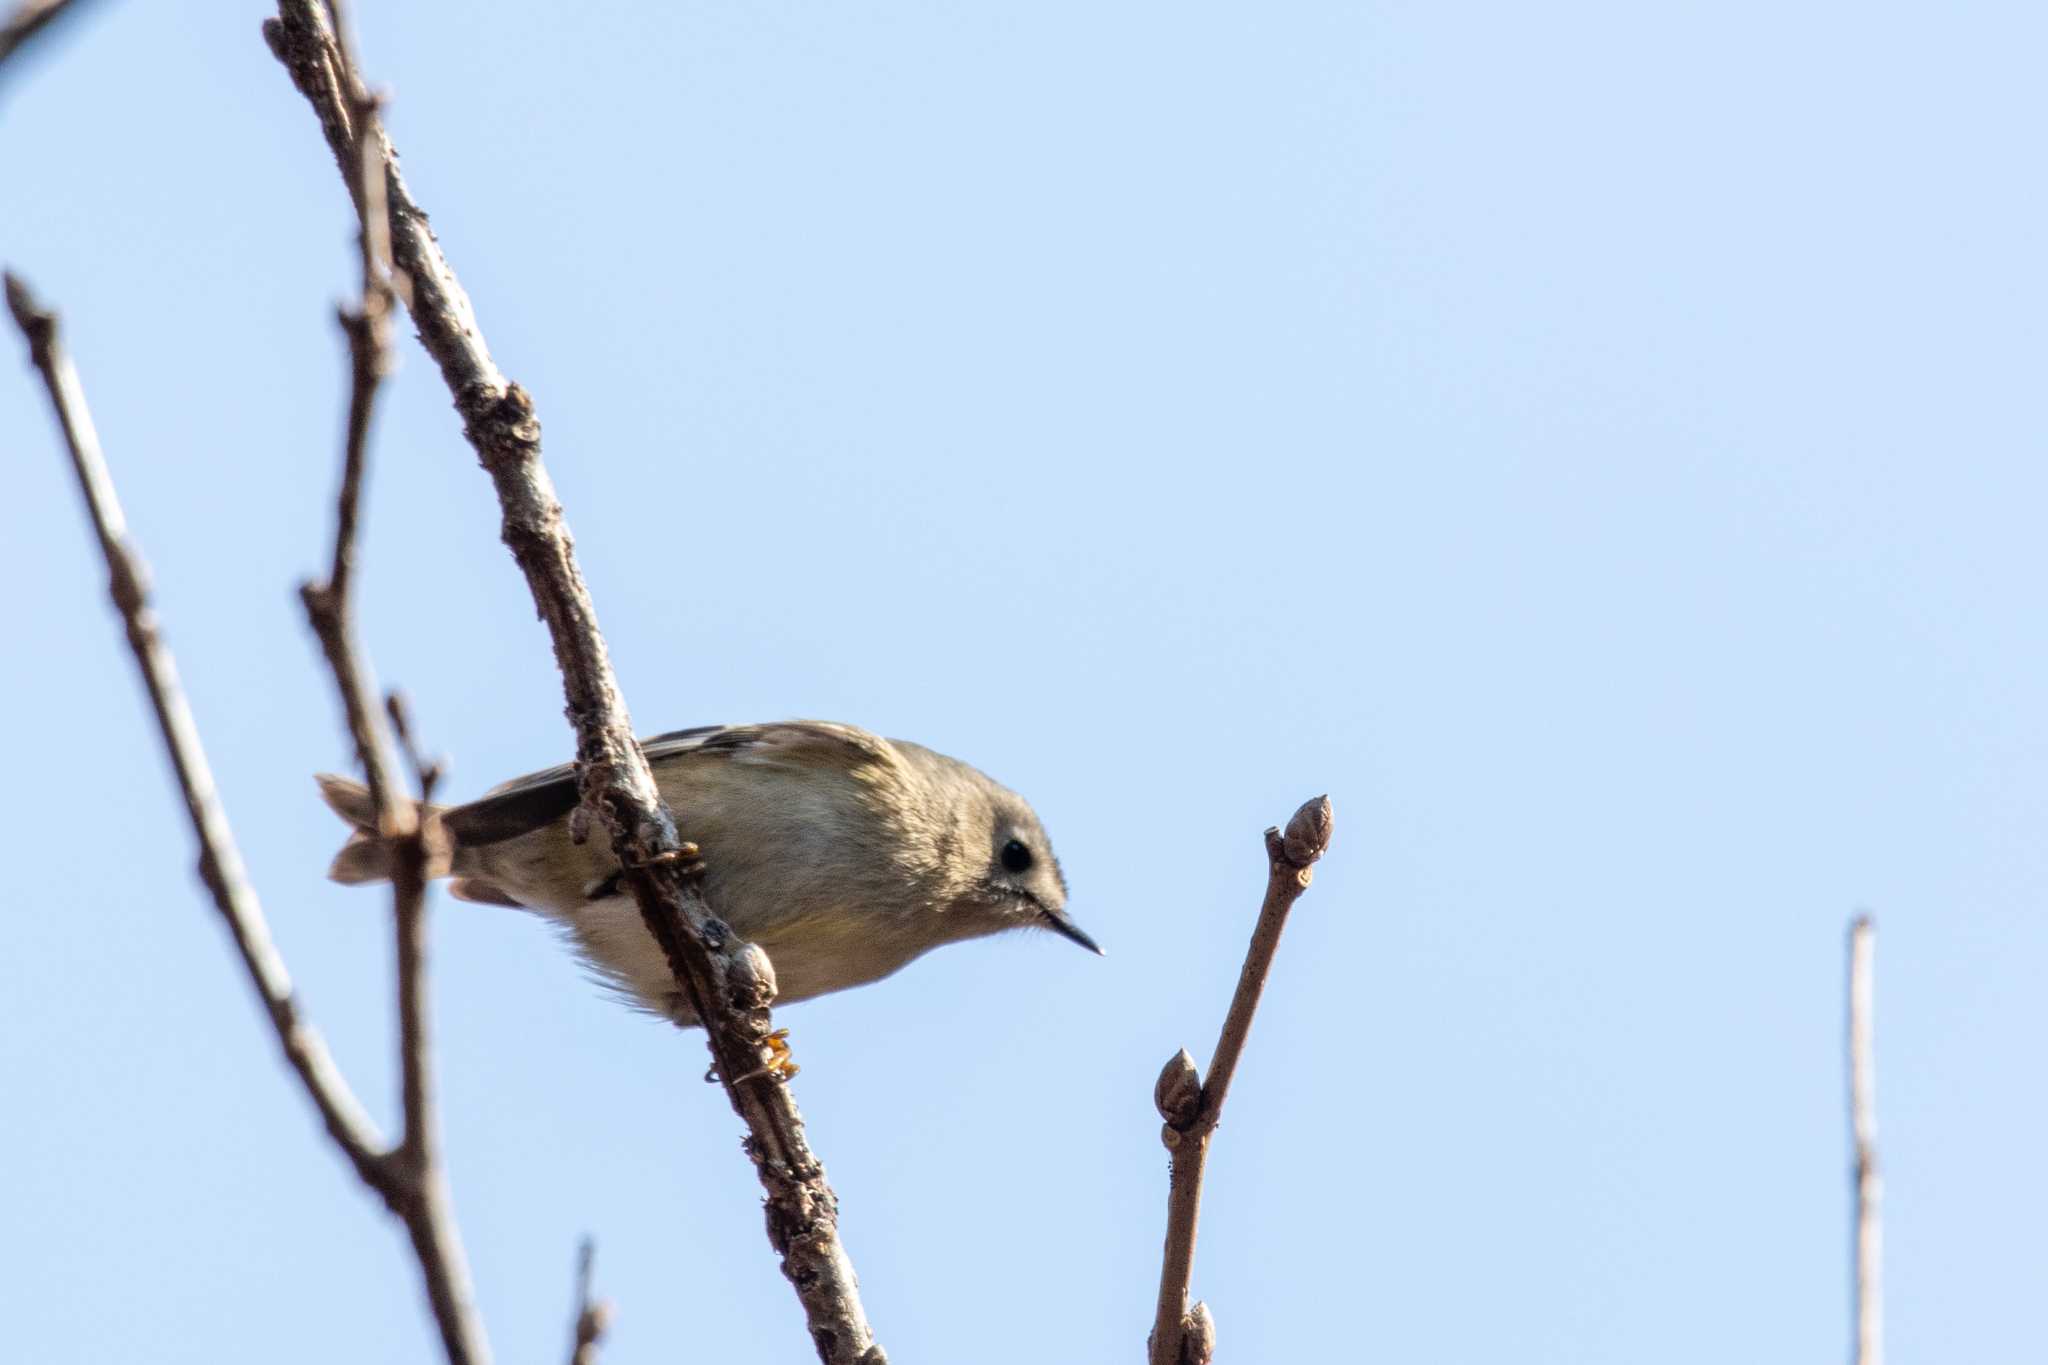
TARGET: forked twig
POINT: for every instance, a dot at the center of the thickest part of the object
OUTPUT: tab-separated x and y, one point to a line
728	983
407	1177
1182	1335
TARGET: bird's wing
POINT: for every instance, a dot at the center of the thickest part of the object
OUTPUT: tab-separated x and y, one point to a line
529	803
789	743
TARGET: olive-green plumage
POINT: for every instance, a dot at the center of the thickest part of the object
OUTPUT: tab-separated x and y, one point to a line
842	854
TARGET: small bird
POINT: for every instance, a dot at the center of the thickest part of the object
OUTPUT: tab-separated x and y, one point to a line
843	855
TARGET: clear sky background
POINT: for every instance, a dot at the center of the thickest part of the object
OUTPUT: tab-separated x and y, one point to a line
1598	444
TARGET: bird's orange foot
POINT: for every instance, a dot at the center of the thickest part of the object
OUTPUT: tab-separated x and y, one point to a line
781	1062
780	1066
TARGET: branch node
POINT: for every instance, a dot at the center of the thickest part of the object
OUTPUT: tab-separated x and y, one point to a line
750	983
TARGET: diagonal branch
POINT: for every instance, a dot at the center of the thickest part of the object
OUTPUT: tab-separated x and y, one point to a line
220	864
30	17
1182	1335
727	982
408	1178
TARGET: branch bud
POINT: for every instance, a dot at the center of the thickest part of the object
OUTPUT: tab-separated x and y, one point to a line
1197	1336
1178	1092
1308	833
751	978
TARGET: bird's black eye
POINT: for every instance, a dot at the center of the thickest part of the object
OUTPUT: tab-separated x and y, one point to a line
1016	857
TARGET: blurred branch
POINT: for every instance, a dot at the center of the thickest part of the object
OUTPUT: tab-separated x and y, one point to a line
367	328
1182	1335
1869	1308
593	1316
220	865
727	982
30	17
423	1201
406	1177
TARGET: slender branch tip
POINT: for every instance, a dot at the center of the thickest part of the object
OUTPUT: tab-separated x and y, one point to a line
37	323
1192	1107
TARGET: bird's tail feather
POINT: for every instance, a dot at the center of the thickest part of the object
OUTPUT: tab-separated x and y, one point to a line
366	856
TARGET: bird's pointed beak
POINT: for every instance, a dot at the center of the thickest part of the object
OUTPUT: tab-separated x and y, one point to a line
1071	931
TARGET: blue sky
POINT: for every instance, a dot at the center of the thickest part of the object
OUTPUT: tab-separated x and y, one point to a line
1598	444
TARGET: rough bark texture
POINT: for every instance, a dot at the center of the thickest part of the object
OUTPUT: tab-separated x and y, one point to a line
499	422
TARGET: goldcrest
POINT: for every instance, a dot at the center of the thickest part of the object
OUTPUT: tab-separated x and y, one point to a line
843	855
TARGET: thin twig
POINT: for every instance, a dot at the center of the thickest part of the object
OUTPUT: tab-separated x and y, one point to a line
408	1177
220	864
727	982
30	17
1182	1335
1869	1231
425	1207
327	604
367	327
428	1214
593	1316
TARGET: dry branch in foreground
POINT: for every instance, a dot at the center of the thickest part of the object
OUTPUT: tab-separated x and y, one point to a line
430	1219
728	982
1182	1335
593	1316
1869	1226
30	17
407	1177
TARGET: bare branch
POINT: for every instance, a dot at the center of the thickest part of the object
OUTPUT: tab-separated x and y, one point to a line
407	1179
30	17
1869	1233
423	1202
220	864
593	1316
1191	1109
727	982
428	1214
367	327
327	604
426	772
